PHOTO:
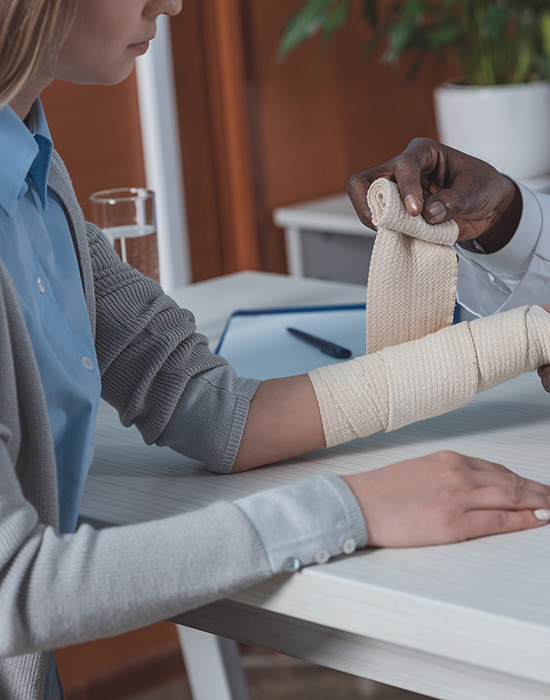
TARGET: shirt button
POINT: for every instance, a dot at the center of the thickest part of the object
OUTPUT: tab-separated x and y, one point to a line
87	363
40	284
349	546
321	556
291	564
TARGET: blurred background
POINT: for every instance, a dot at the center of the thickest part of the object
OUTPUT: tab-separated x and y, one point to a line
255	133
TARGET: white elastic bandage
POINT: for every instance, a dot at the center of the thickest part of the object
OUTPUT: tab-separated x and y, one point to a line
413	272
411	297
429	376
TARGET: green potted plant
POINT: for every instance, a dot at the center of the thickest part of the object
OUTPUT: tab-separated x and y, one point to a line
499	105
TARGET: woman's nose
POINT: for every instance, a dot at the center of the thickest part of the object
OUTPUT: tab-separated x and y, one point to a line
163	7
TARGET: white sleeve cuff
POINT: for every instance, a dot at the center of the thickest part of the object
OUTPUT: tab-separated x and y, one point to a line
306	522
513	260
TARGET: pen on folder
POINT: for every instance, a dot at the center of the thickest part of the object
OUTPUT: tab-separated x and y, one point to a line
323	345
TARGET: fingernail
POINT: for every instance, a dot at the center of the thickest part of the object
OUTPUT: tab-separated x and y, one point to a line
412	203
542	514
437	211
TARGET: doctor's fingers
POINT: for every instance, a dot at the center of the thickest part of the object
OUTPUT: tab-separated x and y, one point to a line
544	374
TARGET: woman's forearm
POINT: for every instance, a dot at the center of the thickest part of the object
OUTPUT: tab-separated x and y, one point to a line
284	421
393	387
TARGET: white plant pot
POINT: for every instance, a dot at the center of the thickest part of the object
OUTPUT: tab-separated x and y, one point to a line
506	125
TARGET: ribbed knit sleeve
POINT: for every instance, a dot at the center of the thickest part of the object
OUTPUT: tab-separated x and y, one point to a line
157	370
59	589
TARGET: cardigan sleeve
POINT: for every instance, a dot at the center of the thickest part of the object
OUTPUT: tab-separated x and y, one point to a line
158	371
59	589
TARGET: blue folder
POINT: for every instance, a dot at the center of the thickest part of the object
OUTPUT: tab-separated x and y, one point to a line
257	344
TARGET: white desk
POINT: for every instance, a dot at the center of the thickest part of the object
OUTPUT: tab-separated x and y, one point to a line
460	622
325	232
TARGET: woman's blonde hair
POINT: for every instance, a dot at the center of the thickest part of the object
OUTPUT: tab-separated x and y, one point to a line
31	32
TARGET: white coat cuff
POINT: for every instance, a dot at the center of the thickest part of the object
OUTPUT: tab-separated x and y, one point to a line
513	260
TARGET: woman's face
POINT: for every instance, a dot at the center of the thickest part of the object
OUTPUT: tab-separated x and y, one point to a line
106	37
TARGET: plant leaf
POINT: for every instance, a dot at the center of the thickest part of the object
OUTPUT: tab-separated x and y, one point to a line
376	39
494	41
302	25
335	17
544	23
403	33
370	12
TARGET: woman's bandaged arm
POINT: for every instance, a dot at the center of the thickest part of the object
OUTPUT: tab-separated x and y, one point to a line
429	376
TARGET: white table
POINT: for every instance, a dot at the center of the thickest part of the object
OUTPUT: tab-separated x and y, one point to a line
460	622
335	218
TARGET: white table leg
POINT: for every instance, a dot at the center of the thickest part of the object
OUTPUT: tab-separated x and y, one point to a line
294	256
213	666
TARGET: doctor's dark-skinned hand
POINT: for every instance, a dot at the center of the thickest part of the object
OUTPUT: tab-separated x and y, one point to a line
442	184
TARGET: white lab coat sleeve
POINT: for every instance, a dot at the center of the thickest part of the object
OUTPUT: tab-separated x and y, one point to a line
516	275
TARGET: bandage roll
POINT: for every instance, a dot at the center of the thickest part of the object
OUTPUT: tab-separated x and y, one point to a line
413	272
389	212
429	376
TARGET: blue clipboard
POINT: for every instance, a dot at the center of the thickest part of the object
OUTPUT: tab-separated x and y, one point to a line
256	343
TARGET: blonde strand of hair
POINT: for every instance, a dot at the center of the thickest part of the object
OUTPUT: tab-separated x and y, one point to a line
31	32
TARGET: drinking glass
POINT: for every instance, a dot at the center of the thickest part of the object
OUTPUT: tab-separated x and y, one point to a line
127	217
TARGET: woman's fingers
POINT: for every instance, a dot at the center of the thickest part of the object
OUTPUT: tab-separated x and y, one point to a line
446	497
479	523
528	495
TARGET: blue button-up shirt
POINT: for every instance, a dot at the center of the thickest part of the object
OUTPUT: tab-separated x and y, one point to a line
37	249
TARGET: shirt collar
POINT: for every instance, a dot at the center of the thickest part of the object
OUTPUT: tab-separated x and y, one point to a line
23	151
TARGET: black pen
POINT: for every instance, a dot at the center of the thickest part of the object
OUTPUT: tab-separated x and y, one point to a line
323	345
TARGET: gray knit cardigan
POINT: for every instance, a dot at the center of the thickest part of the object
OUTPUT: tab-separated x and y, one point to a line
57	590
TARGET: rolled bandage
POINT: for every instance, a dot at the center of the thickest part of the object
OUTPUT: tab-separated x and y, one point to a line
429	376
413	272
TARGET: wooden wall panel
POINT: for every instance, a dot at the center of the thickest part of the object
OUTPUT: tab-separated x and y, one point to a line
197	149
255	134
226	81
210	79
96	130
323	114
125	666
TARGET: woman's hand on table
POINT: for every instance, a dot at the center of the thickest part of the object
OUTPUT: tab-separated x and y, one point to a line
445	497
442	184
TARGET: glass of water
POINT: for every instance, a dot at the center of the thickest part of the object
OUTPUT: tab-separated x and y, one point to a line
127	217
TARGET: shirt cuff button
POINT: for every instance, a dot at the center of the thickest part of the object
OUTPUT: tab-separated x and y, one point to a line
321	556
349	546
291	565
